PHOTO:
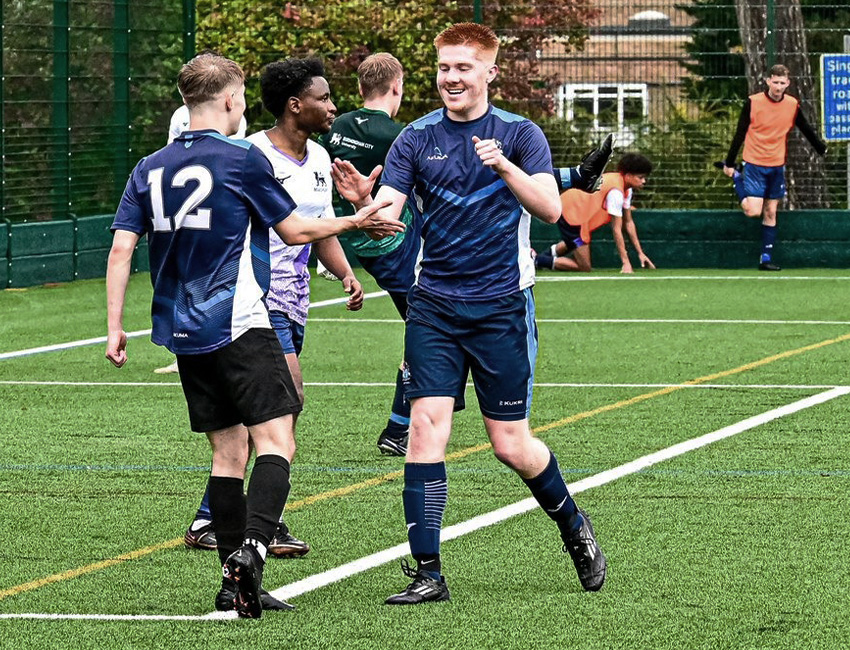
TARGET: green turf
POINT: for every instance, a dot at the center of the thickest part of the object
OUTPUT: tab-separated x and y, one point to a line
741	544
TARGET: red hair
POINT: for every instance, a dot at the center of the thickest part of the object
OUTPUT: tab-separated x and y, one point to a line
473	35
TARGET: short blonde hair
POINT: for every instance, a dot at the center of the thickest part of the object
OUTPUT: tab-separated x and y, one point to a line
474	35
204	77
377	73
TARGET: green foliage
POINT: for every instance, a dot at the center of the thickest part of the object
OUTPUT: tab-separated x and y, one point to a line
682	150
72	157
716	64
344	32
681	147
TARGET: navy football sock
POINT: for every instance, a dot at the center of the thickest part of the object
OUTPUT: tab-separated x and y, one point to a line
228	512
738	184
399	421
551	493
544	261
425	495
768	239
204	509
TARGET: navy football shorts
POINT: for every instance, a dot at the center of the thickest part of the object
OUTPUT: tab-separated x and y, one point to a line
495	340
289	333
764	182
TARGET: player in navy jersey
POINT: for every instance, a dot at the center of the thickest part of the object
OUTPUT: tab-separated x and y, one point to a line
206	204
479	174
297	94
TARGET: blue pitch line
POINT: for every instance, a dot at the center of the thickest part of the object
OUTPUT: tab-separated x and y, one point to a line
319	469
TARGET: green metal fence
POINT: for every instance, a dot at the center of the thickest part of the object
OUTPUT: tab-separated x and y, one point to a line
87	86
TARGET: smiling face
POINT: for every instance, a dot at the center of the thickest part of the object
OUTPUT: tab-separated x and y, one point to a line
317	111
463	75
776	86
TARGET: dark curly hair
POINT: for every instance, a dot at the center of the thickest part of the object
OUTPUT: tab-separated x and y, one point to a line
634	163
281	80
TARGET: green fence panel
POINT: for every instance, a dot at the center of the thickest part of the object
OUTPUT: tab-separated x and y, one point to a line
29	270
93	241
93	232
722	239
4	254
90	264
141	263
41	238
4	239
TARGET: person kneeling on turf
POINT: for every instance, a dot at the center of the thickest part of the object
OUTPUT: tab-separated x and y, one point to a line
582	213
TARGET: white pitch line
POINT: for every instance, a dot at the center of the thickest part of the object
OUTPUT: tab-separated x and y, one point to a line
374	560
387	384
655	278
103	617
130	335
331	576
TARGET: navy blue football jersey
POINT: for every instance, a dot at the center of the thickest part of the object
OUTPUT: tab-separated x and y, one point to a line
206	204
475	232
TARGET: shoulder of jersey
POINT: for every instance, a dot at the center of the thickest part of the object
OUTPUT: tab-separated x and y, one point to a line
316	149
507	116
426	120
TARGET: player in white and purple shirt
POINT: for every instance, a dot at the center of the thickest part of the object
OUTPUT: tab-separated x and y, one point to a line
478	174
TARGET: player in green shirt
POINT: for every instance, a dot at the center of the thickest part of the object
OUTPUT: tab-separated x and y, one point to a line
363	137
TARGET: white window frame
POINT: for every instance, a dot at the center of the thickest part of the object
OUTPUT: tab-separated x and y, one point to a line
569	93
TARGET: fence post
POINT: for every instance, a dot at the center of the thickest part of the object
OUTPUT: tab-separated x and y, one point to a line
770	37
189	29
847	50
121	90
2	123
479	12
61	162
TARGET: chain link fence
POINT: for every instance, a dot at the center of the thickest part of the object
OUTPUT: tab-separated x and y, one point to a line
88	86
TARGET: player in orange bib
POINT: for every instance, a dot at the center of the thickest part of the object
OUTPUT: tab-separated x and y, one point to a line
766	120
583	213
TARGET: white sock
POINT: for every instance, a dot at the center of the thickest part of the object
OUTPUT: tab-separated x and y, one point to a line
199	523
258	545
553	249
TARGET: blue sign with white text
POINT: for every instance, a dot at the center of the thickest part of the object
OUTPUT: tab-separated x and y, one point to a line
835	96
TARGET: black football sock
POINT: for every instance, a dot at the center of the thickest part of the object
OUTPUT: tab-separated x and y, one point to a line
267	494
228	511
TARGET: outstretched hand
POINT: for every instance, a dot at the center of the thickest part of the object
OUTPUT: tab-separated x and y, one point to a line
376	225
353	186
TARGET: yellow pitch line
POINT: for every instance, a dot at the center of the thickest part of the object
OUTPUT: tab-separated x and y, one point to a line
691	382
73	573
391	476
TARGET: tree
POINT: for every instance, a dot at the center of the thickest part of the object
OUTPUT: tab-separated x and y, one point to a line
344	32
715	63
806	177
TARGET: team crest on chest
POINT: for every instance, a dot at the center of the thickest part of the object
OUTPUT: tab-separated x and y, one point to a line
321	182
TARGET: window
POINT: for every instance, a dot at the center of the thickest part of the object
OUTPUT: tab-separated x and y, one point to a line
605	108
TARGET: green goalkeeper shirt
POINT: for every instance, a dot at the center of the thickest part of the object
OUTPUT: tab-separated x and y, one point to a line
363	137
